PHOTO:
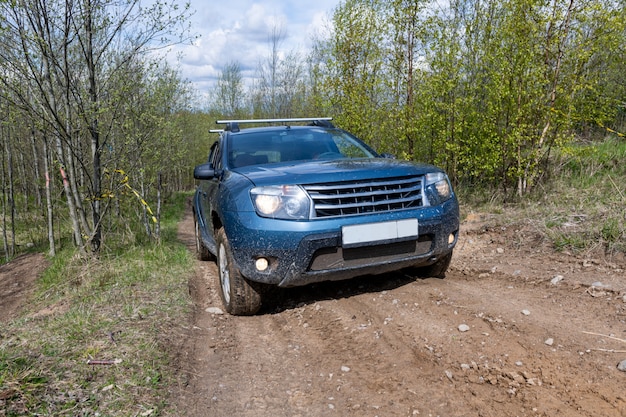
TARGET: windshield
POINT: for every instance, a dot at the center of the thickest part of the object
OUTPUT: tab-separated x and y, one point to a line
273	146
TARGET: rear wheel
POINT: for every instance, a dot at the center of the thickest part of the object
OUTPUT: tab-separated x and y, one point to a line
438	269
240	296
201	251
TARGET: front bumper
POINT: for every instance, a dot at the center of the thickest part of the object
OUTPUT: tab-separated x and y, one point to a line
301	253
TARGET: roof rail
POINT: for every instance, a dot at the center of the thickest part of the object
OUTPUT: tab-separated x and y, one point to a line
233	125
322	123
216	130
295	120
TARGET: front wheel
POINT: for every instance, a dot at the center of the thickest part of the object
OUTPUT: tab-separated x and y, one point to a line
240	296
438	269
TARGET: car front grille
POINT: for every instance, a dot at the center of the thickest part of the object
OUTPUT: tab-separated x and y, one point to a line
367	196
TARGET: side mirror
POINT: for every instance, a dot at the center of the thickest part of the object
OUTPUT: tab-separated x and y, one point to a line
204	172
388	155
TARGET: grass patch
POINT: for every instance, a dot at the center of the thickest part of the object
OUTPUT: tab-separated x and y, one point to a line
583	206
588	192
121	309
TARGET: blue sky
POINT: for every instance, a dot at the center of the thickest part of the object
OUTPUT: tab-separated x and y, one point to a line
239	30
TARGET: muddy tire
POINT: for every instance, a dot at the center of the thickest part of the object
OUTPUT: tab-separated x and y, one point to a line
240	296
436	270
202	253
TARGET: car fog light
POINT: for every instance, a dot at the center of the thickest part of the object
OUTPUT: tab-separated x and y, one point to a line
261	264
451	239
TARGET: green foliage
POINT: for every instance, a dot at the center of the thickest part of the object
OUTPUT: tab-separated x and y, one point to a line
88	97
581	209
488	90
352	63
493	91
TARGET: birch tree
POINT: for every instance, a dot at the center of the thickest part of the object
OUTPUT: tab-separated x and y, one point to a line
279	89
488	89
229	96
64	56
352	60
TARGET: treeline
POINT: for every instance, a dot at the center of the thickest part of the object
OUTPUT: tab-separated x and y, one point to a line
93	125
95	129
487	89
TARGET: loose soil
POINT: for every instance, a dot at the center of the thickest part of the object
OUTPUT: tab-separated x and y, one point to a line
391	345
515	329
17	282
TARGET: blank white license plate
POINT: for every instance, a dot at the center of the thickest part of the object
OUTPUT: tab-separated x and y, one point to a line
376	232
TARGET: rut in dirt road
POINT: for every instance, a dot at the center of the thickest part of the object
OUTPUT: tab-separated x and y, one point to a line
391	345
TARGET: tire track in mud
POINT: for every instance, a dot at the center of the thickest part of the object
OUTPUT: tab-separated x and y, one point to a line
548	379
398	345
399	375
391	346
415	335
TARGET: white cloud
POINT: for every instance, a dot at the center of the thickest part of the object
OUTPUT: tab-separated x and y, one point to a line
239	30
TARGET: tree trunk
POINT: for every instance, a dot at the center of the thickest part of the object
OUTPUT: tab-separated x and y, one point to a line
11	198
33	145
157	227
530	172
5	236
46	167
72	175
78	239
94	131
24	191
144	207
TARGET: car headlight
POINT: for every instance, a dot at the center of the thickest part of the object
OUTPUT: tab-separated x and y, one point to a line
281	202
437	188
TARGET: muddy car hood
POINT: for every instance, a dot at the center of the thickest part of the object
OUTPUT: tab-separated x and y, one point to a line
332	171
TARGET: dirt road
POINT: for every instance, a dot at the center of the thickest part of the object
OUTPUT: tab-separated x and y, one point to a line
513	330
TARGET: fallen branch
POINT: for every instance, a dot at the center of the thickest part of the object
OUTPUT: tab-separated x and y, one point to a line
608	350
103	362
604	335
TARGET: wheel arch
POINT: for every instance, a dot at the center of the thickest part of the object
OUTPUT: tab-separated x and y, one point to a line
216	221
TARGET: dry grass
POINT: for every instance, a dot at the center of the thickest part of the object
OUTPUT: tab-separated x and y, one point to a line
91	342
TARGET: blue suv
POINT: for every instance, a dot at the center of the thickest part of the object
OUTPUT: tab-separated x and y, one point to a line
298	201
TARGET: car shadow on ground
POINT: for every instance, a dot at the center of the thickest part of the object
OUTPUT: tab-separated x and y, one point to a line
284	299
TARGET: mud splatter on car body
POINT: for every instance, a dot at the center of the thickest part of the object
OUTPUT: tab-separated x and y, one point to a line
288	205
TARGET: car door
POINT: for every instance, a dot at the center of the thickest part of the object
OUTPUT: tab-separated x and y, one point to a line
207	193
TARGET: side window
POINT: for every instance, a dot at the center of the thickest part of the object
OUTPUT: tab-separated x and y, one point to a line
215	156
